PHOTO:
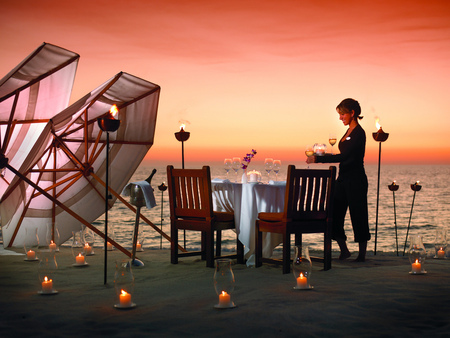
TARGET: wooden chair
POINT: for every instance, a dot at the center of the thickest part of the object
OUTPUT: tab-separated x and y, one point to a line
308	208
191	208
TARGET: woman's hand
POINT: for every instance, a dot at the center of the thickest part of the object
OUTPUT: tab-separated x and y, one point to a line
311	159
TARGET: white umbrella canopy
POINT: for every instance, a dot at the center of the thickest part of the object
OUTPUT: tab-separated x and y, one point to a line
68	162
30	94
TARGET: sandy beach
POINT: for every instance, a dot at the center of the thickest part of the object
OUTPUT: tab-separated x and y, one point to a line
378	298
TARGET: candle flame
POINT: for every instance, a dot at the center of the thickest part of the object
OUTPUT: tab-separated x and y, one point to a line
123	292
86	245
51	242
417	261
79	255
45	279
223	293
114	110
301	274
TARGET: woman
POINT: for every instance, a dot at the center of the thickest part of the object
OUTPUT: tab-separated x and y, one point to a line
351	184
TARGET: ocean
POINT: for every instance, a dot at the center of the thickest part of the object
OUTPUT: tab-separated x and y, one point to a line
431	208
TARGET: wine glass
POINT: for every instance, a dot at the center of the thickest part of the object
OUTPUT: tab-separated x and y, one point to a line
268	165
236	164
332	139
228	163
276	168
309	151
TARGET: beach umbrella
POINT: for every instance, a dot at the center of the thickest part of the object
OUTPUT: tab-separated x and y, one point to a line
62	180
30	94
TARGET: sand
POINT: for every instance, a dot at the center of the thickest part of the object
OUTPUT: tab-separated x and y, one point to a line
378	298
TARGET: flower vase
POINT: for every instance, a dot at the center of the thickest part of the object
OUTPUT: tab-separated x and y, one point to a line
244	177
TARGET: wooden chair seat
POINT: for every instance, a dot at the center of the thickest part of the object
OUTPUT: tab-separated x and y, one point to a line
191	208
308	209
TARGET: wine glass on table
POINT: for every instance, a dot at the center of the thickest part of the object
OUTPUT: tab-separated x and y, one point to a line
332	139
268	165
309	151
228	164
236	165
276	168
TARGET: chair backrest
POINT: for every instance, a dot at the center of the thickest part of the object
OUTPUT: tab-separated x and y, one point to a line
309	193
190	192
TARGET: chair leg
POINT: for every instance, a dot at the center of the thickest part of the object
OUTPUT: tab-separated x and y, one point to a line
203	245
258	249
218	243
239	251
209	248
174	245
327	253
286	252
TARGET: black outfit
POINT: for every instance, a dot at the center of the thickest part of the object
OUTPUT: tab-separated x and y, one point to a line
351	186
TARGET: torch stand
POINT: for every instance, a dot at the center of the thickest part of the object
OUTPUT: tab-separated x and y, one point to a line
415	187
394	187
162	188
182	136
380	136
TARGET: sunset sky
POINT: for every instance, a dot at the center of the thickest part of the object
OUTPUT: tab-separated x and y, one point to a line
259	74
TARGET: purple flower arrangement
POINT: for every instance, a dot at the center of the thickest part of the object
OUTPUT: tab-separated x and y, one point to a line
248	158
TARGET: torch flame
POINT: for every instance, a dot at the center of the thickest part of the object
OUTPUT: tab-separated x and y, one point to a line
114	110
182	127
377	124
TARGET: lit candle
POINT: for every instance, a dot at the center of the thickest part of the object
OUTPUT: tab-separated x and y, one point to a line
109	246
441	253
224	299
87	249
79	259
47	285
138	246
416	267
302	282
31	255
125	299
52	246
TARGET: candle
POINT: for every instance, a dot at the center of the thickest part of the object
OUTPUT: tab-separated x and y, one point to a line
416	267
47	285
302	282
138	246
87	249
441	253
224	299
79	259
31	255
52	246
125	299
109	246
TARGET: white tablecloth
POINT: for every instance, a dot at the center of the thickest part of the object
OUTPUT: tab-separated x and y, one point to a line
247	200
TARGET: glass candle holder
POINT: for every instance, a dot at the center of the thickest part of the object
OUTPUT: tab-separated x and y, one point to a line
224	283
140	240
440	244
31	244
124	284
78	249
46	271
320	149
417	255
301	268
112	235
89	242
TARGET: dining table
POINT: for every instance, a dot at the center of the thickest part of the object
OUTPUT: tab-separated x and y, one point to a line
246	200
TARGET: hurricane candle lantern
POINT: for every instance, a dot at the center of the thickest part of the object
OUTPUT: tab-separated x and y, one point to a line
78	249
417	255
301	268
394	187
182	136
124	284
89	242
46	272
379	136
224	283
52	237
414	187
31	244
108	124
440	243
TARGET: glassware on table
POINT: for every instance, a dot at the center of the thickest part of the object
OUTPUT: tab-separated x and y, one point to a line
236	165
276	168
440	243
309	151
268	166
332	139
228	164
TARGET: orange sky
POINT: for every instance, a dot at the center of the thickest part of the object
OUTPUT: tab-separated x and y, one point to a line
259	74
